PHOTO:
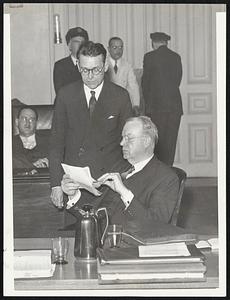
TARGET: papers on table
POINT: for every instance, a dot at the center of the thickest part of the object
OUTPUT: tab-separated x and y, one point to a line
212	244
82	176
33	263
172	249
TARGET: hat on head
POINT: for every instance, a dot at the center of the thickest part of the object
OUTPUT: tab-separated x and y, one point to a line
159	36
76	31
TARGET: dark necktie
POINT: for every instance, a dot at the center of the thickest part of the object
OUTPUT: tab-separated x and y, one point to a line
125	174
92	102
115	67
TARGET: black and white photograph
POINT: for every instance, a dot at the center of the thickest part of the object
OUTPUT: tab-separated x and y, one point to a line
114	149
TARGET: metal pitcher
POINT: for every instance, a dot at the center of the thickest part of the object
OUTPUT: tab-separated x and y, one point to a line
88	235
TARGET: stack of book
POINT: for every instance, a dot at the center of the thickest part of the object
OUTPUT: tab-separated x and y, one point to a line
33	264
173	262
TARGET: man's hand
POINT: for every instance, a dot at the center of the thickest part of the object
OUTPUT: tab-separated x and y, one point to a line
41	163
57	196
68	185
114	181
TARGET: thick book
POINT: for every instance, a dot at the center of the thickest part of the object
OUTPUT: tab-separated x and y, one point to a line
117	278
130	255
192	267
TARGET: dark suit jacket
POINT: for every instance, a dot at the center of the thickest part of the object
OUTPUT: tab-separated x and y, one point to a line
64	73
155	190
78	140
24	158
162	73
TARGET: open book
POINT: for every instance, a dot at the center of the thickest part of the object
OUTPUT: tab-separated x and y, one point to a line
33	263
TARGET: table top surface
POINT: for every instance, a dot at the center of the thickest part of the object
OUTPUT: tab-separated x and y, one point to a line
81	275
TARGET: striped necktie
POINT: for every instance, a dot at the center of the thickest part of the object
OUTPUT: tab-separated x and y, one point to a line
126	173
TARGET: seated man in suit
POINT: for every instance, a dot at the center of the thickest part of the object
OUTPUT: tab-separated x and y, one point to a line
30	149
66	69
148	193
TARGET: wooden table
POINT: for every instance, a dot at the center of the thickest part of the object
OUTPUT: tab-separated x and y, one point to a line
76	275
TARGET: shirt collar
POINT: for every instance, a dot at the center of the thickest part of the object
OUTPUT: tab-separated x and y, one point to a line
141	164
29	142
97	91
113	61
73	59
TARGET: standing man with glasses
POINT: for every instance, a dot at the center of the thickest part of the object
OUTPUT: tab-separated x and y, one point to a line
87	122
121	72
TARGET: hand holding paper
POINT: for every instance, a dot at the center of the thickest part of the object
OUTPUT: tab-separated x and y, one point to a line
79	178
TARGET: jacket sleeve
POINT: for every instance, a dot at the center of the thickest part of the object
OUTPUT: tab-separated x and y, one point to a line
126	109
57	141
133	88
178	75
145	78
57	77
162	201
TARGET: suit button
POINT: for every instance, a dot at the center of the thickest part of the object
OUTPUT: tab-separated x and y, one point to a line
102	169
81	151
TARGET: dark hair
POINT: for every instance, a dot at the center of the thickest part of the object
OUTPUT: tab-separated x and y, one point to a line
27	107
76	31
92	49
114	38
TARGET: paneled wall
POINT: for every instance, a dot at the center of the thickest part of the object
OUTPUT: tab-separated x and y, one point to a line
193	35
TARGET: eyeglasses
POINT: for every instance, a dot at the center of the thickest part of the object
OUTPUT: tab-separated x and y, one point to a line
128	139
25	119
95	71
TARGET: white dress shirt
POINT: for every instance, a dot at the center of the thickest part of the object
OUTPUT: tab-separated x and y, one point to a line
28	142
127	198
97	91
124	77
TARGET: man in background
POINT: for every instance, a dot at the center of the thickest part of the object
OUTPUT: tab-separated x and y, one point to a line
147	193
66	69
87	122
30	149
162	73
121	72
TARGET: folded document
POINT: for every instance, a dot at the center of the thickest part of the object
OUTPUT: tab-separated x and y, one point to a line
33	263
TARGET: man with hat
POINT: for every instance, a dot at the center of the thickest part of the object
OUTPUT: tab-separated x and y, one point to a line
162	73
66	69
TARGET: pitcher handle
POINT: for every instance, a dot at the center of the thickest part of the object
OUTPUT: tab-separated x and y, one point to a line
107	223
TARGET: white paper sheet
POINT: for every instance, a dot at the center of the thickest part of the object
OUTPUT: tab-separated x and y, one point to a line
33	263
172	249
82	176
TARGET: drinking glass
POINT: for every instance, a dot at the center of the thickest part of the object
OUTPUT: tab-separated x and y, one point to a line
59	249
114	235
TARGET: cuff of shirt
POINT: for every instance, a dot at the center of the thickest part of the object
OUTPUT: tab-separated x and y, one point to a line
127	198
73	199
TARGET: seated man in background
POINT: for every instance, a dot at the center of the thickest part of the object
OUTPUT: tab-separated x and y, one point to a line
66	69
121	72
148	193
30	149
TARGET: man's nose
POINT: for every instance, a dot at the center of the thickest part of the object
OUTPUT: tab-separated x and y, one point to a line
27	123
122	142
90	75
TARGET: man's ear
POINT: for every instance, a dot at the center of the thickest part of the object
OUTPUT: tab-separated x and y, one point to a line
16	122
147	141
